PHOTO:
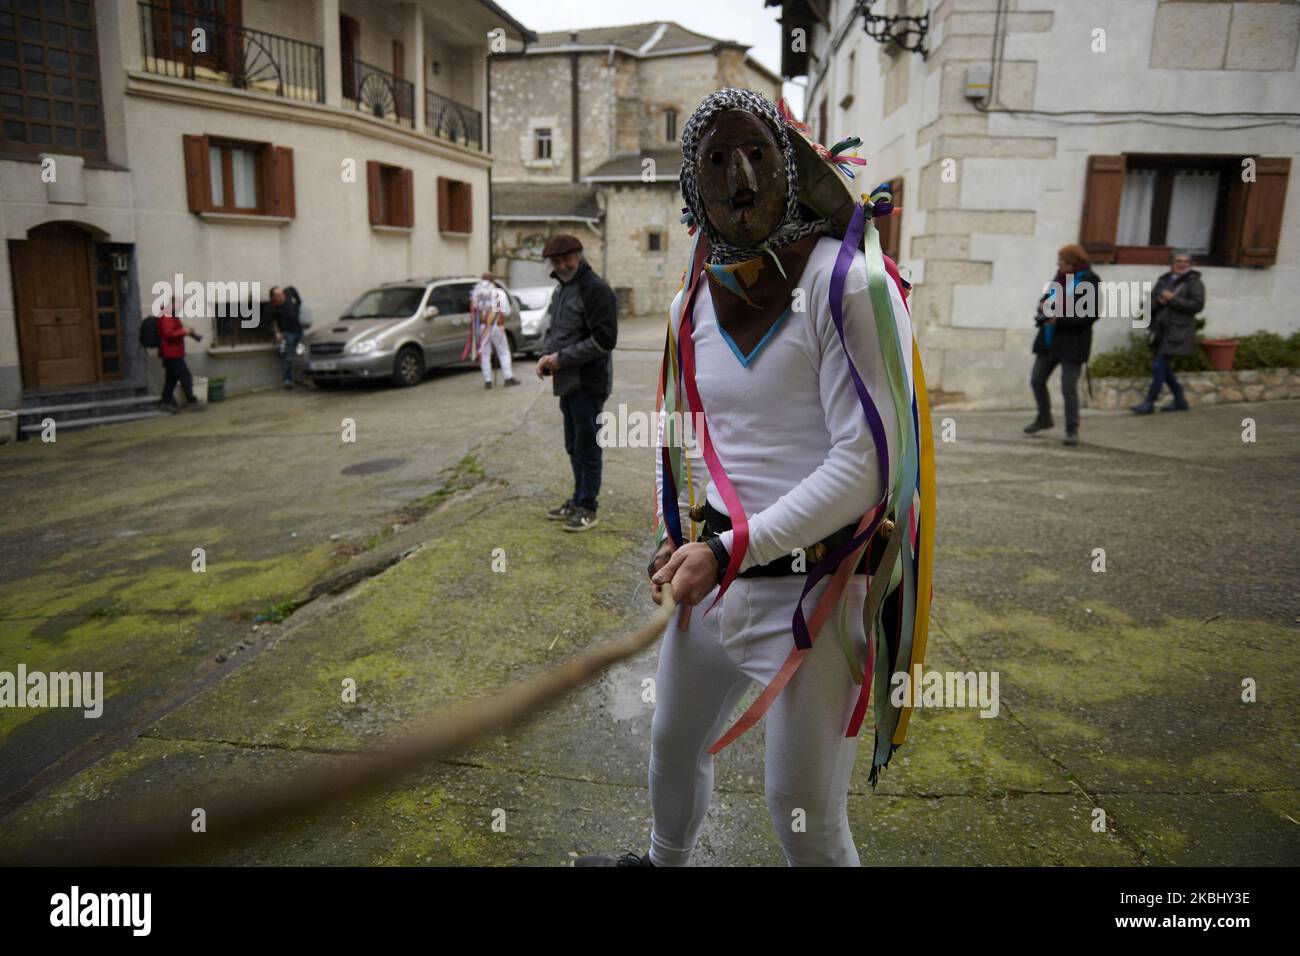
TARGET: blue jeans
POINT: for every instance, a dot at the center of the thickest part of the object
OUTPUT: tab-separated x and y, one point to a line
291	340
1162	373
580	409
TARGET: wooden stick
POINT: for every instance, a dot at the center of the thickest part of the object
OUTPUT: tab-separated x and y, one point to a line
163	833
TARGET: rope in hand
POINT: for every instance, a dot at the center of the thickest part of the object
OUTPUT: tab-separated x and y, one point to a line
158	831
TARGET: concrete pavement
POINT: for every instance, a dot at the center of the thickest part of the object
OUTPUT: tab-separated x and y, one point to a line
1120	690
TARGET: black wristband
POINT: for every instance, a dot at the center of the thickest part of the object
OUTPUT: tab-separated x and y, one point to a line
720	555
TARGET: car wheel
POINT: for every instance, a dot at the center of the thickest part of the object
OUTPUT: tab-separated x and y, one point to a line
408	367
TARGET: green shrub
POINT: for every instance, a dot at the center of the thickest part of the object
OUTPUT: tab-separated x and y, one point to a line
1267	350
1134	360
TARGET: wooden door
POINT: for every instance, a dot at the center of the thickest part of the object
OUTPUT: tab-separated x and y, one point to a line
350	52
56	316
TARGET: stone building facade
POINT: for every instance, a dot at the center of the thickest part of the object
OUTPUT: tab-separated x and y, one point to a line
585	133
1029	124
247	161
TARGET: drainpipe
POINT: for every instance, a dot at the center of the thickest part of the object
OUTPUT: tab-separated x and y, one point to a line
573	99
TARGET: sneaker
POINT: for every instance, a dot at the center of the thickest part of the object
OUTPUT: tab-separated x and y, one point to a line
562	513
1071	439
512	381
582	519
627	859
1175	407
1146	408
1038	425
487	384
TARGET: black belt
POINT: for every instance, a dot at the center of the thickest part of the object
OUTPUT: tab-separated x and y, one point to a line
715	523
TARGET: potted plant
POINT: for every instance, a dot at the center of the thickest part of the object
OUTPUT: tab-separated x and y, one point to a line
1220	352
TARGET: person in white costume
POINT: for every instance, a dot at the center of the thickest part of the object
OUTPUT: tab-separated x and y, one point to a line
491	306
785	422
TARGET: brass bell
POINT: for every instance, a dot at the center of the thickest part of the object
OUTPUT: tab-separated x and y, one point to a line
886	529
697	513
817	552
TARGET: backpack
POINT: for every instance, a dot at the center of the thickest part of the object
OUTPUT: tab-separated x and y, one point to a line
149	337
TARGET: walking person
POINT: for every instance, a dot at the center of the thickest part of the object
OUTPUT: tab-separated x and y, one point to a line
576	353
1066	312
1178	296
285	306
171	349
490	305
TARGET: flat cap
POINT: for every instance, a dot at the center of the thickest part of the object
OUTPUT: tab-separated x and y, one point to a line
561	245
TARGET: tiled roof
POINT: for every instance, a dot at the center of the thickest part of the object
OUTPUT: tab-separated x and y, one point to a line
668	162
544	199
633	36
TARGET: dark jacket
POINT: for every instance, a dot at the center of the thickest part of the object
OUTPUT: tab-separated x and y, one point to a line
584	329
1071	338
285	316
171	337
1173	323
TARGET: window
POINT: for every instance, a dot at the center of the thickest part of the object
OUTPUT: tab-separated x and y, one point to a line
454	206
670	125
399	60
49	79
386	302
542	142
232	176
1139	208
654	240
451	299
392	195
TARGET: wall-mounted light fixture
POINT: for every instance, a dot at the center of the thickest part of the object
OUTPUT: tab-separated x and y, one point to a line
907	33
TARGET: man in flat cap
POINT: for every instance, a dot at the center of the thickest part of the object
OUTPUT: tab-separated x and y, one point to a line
577	354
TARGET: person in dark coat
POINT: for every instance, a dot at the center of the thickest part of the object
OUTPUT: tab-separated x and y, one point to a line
285	306
1178	295
577	353
1064	318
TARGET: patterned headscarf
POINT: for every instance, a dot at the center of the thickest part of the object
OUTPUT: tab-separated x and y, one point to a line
793	226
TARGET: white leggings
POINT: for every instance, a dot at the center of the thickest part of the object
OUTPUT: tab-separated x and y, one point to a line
703	673
496	338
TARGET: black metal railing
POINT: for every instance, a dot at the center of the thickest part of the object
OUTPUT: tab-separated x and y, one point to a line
378	92
229	53
447	119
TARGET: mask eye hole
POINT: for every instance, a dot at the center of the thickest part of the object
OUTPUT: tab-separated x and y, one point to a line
715	157
756	155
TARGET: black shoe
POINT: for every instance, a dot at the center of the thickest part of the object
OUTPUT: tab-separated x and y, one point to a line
582	519
1038	425
512	381
166	406
487	384
1146	408
562	513
1175	407
1071	439
627	859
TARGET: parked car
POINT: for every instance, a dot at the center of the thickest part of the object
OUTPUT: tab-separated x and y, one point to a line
397	331
535	317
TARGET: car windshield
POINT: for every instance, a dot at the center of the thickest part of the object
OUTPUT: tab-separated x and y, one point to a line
532	298
386	303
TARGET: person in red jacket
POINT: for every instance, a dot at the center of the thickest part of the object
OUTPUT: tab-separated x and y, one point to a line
171	335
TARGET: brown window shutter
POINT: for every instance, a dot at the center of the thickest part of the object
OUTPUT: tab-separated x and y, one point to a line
399	60
1261	219
408	198
198	188
444	204
466	217
374	183
1101	198
282	182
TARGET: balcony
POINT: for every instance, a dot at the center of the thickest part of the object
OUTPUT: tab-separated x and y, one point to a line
449	120
231	54
378	92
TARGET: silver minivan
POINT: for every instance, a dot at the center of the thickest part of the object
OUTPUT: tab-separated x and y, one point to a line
397	331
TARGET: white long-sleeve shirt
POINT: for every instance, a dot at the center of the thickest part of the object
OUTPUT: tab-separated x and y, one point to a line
789	429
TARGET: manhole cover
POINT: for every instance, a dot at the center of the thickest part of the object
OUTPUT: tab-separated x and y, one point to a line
373	467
